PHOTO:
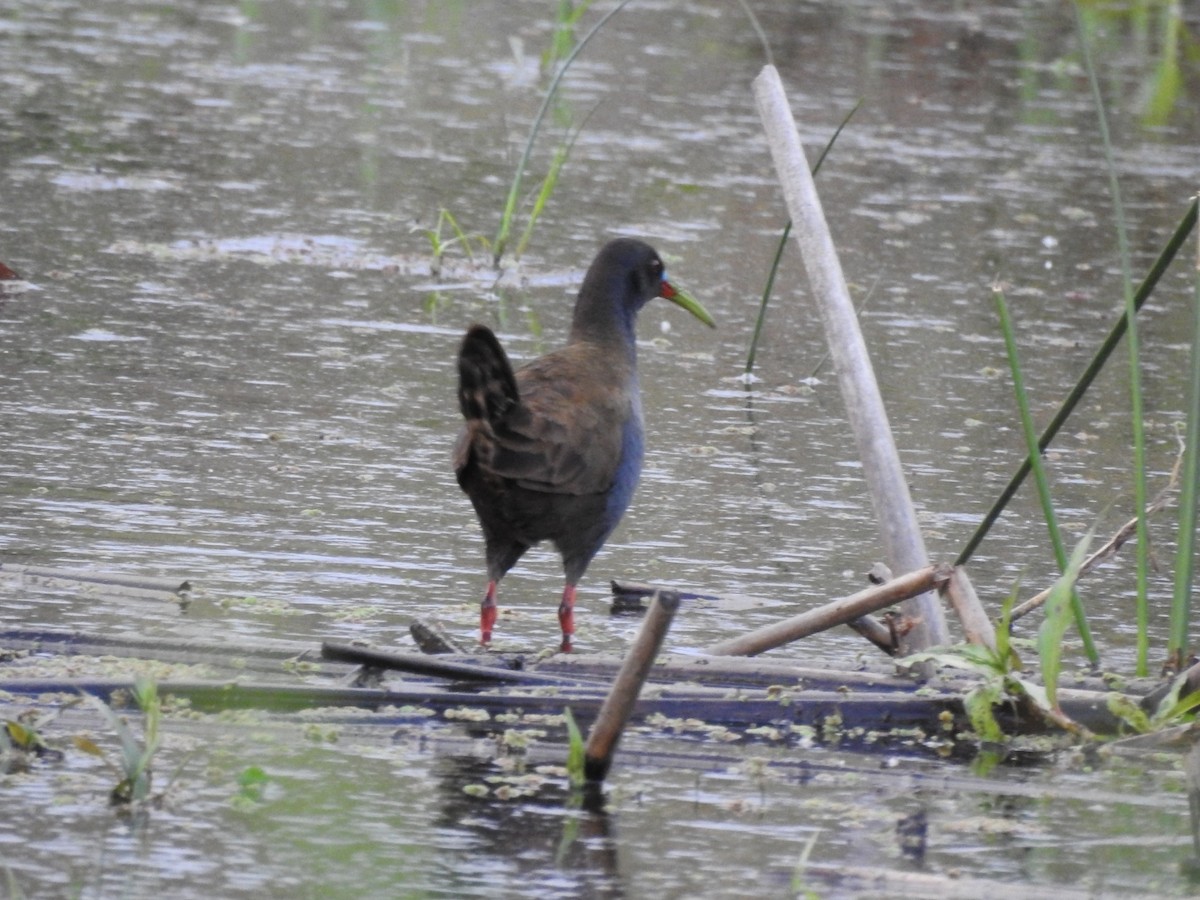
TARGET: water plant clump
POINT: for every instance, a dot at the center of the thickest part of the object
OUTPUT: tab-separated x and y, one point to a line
132	765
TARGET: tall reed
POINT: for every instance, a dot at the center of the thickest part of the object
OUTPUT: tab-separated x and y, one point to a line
1039	474
500	243
1185	553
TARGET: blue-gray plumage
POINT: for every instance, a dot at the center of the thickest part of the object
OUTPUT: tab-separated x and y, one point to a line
553	450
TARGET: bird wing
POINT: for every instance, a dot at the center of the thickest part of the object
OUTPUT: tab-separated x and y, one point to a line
555	427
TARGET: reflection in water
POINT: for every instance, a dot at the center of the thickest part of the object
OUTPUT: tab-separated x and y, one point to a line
1191	768
553	843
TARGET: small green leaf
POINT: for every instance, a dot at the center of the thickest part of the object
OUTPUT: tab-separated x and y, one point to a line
1058	617
575	751
1004	648
1182	710
252	776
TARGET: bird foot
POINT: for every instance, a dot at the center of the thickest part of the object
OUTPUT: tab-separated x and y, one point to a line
566	619
487	623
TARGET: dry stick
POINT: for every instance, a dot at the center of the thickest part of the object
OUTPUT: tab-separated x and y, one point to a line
628	593
839	612
618	705
1114	543
976	625
903	544
875	632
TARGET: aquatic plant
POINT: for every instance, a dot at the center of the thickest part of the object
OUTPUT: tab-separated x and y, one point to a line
1164	43
439	245
1166	256
252	783
575	751
1172	710
1185	552
21	741
133	764
1000	668
1039	474
1142	549
500	242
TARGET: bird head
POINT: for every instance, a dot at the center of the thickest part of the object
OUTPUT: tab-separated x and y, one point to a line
625	276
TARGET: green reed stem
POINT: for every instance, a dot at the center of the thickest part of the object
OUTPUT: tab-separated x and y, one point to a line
787	230
1165	258
561	153
766	297
758	30
1185	551
1039	472
514	190
1135	373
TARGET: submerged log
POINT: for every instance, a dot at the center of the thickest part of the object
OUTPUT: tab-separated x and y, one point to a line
729	691
439	667
701	707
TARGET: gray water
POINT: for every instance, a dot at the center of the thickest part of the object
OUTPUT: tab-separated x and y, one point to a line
231	360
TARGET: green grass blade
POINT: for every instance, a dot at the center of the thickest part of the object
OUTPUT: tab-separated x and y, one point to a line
1004	649
1039	473
561	154
575	750
1165	258
565	20
1058	615
459	235
787	230
759	31
766	297
1142	550
1185	553
500	242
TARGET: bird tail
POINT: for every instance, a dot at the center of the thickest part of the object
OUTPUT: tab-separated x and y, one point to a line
487	388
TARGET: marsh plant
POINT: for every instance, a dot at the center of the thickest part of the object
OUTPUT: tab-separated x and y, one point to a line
21	742
133	764
1000	670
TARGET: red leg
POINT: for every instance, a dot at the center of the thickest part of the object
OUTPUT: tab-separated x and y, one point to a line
487	614
566	616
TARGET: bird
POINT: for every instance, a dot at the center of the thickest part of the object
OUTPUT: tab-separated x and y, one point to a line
552	451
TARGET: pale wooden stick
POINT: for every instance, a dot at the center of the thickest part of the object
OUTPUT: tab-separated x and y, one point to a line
903	544
839	612
977	627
